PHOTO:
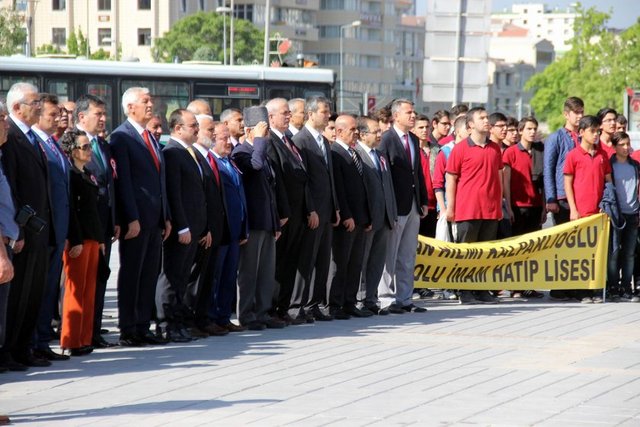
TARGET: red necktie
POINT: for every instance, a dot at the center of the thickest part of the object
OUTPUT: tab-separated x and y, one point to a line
406	147
214	167
147	142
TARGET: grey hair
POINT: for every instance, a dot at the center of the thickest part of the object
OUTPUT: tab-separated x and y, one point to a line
397	103
293	102
226	114
273	103
18	92
201	117
313	103
131	95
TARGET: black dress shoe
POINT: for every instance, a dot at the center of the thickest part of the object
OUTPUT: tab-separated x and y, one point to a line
152	339
101	343
256	326
411	308
339	314
395	309
319	315
274	323
7	362
130	341
81	351
49	354
377	310
356	312
32	361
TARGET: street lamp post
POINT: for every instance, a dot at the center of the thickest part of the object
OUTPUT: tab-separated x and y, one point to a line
224	10
342	28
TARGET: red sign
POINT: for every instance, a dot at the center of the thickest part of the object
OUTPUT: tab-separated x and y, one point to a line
371	103
248	91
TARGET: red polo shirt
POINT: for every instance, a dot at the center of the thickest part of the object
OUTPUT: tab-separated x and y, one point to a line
523	192
425	161
609	150
588	178
478	193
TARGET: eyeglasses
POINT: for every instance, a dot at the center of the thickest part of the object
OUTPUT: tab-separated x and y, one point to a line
85	147
511	130
32	103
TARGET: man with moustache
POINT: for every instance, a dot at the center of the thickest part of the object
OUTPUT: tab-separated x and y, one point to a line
322	214
58	168
25	166
143	215
90	116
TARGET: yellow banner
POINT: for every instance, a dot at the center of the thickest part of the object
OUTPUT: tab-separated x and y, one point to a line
567	256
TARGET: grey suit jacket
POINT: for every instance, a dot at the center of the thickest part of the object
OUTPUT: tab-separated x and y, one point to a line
382	199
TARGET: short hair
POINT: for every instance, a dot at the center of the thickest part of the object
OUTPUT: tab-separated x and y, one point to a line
604	111
382	115
438	115
589	122
460	123
573	103
84	103
497	117
422	118
193	105
201	117
69	140
271	104
618	137
313	103
333	117
395	105
49	98
471	112
458	109
622	120
523	122
512	121
362	123
226	114
131	95
18	92
175	118
293	101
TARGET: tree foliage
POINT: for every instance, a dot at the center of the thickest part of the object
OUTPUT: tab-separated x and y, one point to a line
12	35
77	44
599	66
205	29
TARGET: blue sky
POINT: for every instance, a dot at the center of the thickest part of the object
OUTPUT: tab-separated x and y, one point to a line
624	12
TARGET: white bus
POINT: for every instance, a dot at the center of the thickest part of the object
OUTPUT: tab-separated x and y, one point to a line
172	85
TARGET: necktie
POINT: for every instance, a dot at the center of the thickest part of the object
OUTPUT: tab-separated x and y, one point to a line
52	147
376	161
195	159
407	148
291	147
214	167
31	136
230	169
98	154
152	151
356	160
322	148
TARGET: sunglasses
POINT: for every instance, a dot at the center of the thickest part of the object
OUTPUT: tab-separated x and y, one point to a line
85	147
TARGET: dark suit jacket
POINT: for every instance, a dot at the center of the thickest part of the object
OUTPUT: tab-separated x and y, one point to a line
58	189
292	175
382	200
408	182
259	184
106	193
321	194
350	187
217	216
84	221
236	202
185	190
27	173
140	187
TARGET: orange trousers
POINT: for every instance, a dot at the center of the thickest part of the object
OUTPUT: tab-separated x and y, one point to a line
79	296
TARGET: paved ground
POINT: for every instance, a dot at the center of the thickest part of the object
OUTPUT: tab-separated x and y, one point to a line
542	363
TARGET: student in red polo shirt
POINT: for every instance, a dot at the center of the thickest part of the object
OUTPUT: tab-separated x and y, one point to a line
607	117
474	188
585	171
428	152
441	126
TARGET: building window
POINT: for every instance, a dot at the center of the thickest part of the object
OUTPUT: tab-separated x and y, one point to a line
144	36
59	36
183	6
58	4
329	31
104	4
496	103
507	79
201	4
144	4
104	36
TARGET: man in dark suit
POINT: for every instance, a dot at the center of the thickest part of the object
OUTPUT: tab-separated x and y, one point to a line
90	116
188	204
203	276
58	168
321	204
256	277
382	202
401	148
142	213
355	217
25	166
287	164
226	271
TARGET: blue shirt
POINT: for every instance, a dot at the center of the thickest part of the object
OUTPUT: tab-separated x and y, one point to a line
8	226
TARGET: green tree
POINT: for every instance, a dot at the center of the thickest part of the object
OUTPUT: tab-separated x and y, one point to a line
48	48
599	66
204	29
204	53
77	43
12	35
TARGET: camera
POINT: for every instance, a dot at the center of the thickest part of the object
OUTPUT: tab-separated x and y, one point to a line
26	218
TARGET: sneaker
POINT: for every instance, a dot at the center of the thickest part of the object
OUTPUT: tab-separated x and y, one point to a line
516	295
426	293
626	297
587	300
466	297
598	299
450	295
635	298
532	294
486	297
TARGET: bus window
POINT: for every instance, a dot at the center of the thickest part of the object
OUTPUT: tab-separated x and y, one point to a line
7	81
104	91
167	96
280	93
218	105
61	88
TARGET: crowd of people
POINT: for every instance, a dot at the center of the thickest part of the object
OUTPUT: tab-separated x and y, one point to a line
283	214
